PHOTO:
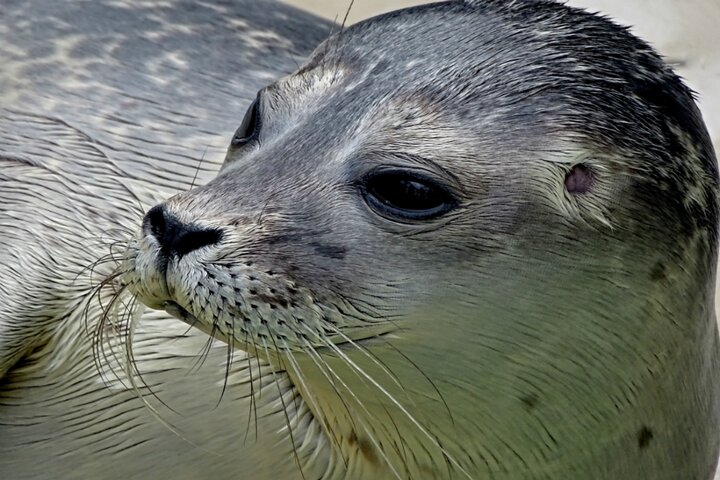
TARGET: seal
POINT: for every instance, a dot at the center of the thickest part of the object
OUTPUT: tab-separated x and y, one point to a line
479	238
465	240
106	108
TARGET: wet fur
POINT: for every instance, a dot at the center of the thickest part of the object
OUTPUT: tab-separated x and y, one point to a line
99	120
525	283
532	333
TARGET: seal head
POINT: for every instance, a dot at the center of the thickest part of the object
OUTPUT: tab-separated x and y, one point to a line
479	236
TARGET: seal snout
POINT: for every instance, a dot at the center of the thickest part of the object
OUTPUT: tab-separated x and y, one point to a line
177	238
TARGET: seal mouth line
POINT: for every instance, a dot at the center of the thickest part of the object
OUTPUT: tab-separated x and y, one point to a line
177	311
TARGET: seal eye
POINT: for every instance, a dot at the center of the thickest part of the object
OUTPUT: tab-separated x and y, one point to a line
406	195
248	128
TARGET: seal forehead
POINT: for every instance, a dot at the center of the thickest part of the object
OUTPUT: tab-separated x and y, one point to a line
538	69
482	55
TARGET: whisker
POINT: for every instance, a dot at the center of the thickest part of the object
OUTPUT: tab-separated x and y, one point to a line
132	364
324	368
260	383
338	38
262	210
313	402
253	402
284	405
107	322
429	380
205	351
368	354
105	259
367	430
228	362
405	412
111	321
403	455
326	45
197	170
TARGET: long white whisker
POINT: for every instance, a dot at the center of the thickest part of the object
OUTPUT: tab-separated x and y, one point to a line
131	372
253	403
282	401
412	419
315	406
373	440
364	351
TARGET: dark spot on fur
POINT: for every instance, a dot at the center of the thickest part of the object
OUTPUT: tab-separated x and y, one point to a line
658	272
644	436
364	447
283	239
380	67
579	179
530	401
331	251
272	300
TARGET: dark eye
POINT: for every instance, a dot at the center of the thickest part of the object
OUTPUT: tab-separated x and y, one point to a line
406	195
248	128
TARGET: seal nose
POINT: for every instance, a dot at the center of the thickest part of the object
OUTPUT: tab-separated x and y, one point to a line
175	237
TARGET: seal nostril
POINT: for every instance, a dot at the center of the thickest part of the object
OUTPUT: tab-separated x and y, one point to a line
154	222
175	237
192	239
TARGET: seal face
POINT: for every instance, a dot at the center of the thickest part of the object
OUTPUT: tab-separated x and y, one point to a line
479	237
106	108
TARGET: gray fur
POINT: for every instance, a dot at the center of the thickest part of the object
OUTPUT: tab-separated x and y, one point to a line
107	107
530	333
524	295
